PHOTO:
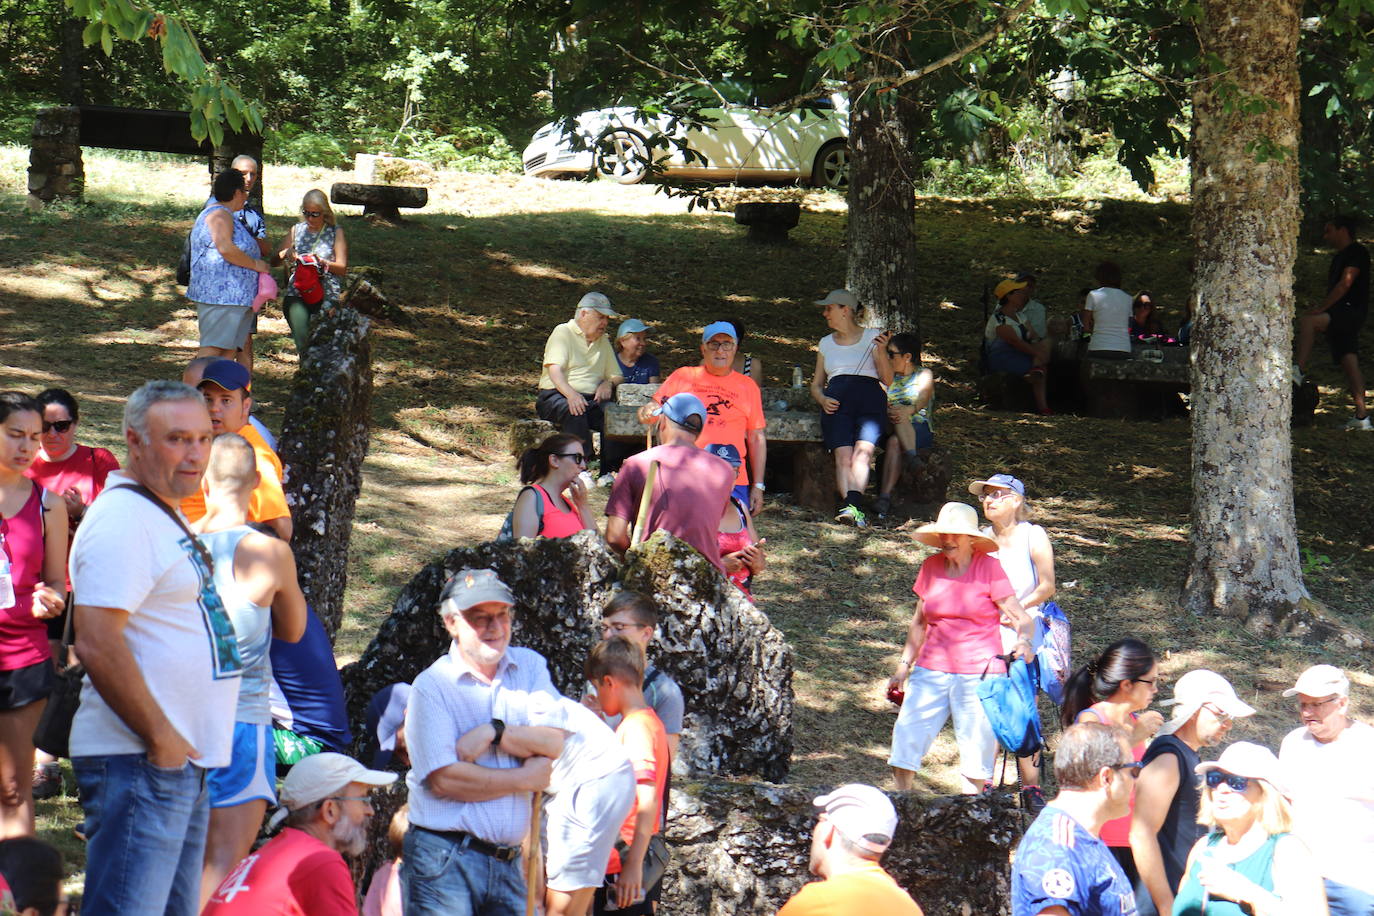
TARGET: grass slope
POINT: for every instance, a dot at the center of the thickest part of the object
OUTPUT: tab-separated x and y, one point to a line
87	300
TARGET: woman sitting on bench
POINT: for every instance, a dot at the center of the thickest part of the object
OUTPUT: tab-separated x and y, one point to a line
1012	347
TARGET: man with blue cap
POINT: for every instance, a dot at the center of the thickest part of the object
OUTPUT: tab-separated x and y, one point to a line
734	408
690	487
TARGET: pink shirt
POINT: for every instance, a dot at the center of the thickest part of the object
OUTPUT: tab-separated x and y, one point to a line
24	637
961	615
690	492
86	469
557	522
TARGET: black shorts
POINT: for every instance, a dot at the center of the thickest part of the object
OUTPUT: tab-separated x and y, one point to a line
1343	333
861	415
23	686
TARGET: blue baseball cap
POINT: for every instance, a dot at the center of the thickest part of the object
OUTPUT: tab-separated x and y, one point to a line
227	374
998	480
719	327
723	450
630	326
683	409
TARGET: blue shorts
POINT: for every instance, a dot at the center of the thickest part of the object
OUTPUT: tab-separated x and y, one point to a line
252	770
741	492
862	413
1003	357
924	437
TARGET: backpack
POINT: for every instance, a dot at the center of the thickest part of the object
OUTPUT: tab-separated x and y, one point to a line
1053	639
1009	703
184	265
308	279
507	532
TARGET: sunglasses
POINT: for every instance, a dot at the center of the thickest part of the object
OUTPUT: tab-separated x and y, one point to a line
312	213
995	495
577	457
1215	778
60	425
1133	767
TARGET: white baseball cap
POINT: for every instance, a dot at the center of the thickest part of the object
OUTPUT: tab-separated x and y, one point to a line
858	810
1245	758
1198	688
319	776
1320	681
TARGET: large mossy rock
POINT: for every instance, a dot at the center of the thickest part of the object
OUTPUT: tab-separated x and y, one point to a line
323	443
734	668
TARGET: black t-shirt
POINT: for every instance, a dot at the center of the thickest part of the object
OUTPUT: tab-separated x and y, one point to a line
1180	829
1357	256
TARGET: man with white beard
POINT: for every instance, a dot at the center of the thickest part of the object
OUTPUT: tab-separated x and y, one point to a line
302	869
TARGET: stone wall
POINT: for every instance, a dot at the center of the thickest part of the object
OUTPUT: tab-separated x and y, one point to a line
56	170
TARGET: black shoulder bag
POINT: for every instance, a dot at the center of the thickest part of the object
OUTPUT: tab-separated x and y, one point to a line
54	730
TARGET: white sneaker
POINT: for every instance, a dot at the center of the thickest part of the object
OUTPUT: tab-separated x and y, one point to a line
1297	375
1363	423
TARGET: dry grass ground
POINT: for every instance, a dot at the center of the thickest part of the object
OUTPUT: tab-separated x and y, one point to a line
87	300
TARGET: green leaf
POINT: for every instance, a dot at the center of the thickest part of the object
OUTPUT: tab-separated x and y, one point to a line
91	33
106	41
198	130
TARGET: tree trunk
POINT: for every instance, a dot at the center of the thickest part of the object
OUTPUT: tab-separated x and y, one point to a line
1243	553
882	209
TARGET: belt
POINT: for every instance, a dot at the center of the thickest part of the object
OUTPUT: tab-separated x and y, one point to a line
467	840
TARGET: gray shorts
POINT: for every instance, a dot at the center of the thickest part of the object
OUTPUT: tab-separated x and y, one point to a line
582	827
224	326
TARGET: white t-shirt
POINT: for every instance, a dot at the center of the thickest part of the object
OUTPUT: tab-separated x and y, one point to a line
1111	310
590	751
129	554
1332	788
855	359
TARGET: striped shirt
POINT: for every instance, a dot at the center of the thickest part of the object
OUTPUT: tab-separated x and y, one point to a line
448	700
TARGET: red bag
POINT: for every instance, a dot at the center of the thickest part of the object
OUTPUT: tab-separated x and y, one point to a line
308	279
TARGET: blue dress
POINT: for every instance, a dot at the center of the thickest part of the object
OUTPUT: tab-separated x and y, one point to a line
214	281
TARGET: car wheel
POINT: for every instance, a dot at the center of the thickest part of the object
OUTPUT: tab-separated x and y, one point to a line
621	155
832	166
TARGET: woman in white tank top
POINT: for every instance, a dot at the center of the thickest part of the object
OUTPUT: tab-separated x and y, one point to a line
1028	560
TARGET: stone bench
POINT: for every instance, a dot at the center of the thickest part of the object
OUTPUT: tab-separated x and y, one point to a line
383	200
768	222
791	415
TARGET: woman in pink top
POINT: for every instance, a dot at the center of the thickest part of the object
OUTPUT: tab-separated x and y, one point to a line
33	560
962	598
1114	690
553	503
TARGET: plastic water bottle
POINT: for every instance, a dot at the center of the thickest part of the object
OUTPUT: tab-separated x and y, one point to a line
6	579
797	377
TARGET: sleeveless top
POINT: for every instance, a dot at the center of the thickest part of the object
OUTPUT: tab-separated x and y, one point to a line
558	523
24	637
252	626
320	244
1117	833
1193	899
1180	829
214	281
1020	569
855	359
730	541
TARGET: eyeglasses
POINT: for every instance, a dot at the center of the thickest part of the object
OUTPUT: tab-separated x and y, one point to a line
1152	681
1132	767
312	214
994	495
893	354
578	457
361	798
1215	778
1302	707
619	628
60	425
1223	717
720	345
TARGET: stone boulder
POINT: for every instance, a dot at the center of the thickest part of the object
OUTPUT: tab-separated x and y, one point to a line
734	668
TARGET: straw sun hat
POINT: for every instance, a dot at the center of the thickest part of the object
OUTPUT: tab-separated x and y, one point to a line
955	518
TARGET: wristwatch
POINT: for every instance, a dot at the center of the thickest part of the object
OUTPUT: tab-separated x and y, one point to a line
500	730
758	485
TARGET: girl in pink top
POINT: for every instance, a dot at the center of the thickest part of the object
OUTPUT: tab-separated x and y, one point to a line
551	472
740	548
75	472
33	528
962	598
1123	681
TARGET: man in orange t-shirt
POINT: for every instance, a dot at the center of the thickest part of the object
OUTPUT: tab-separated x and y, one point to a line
225	384
734	408
854	829
616	669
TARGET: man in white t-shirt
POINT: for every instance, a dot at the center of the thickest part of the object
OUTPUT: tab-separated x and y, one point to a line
1327	765
1107	314
162	667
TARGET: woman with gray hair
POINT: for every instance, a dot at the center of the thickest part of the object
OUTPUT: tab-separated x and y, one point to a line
316	254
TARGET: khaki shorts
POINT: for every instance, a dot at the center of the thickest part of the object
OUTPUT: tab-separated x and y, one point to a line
225	327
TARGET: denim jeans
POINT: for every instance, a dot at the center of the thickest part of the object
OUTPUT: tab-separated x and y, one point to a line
145	829
1344	900
442	877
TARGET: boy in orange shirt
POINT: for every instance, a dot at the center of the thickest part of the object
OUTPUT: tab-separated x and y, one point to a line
616	668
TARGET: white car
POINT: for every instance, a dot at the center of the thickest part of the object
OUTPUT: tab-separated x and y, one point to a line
739	142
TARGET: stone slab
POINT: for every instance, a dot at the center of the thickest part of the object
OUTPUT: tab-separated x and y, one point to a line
622	422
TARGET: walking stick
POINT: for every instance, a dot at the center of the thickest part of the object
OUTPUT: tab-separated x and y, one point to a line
534	863
642	519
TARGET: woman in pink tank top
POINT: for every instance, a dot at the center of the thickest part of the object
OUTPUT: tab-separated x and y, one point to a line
33	553
1115	689
553	503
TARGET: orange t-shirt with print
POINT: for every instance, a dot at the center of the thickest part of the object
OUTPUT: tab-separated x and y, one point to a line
734	408
645	739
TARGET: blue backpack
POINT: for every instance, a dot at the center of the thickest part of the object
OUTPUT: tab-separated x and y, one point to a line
1052	640
1009	703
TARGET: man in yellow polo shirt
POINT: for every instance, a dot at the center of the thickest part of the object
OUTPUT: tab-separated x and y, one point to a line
225	384
580	371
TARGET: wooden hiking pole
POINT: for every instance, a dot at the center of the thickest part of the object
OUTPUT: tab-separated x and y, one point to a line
535	860
642	519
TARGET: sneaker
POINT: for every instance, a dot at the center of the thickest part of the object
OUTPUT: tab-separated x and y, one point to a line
1297	375
853	515
1363	423
47	781
1032	800
912	462
882	505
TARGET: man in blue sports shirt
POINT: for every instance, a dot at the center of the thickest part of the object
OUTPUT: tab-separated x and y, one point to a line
1062	868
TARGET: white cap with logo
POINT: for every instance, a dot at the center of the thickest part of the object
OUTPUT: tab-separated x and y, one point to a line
858	811
1320	681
